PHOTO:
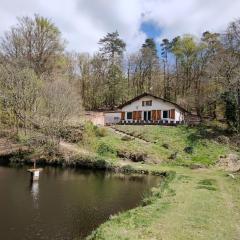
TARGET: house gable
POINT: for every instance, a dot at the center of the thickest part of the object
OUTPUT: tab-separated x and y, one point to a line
148	96
149	108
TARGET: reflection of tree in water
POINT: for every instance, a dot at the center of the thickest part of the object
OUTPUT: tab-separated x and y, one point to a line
34	189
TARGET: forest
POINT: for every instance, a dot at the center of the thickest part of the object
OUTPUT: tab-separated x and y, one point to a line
42	84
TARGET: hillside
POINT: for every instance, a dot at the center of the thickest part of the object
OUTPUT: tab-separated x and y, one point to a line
160	144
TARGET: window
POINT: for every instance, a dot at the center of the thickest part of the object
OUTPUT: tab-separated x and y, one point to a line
147	103
129	115
165	114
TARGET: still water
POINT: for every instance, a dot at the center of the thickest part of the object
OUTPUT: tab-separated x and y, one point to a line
64	203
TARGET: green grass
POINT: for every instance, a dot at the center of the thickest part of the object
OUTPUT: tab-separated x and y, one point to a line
205	151
182	212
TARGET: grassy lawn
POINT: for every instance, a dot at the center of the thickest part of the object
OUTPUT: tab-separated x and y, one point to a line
197	204
167	143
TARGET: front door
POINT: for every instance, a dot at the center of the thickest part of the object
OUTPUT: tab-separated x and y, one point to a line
147	115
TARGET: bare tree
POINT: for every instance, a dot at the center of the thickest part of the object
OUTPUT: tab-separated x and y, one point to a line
60	102
34	42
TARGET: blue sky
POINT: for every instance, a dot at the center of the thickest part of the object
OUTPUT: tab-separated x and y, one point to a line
152	31
84	22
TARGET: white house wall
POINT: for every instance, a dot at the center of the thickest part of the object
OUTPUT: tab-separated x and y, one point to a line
157	104
112	117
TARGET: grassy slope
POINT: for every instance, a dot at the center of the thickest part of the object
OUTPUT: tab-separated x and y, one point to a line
205	151
200	204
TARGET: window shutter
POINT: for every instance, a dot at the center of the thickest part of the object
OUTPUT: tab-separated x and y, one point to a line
139	115
154	117
122	115
172	116
158	114
135	115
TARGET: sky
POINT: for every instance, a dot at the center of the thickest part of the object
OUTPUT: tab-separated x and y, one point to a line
84	22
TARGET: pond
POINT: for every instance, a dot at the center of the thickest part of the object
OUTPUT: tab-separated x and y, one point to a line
65	203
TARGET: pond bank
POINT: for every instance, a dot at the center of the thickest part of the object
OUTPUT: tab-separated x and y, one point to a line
21	158
22	155
200	204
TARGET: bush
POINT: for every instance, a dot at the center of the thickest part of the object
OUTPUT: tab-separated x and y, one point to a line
223	139
188	150
101	164
22	138
51	148
104	148
100	132
127	169
165	145
72	134
173	156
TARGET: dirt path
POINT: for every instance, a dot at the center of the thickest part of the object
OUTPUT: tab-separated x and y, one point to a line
122	133
8	147
74	149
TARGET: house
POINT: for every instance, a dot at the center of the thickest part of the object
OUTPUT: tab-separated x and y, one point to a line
149	109
143	109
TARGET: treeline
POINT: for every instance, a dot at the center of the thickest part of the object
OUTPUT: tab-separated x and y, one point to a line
41	83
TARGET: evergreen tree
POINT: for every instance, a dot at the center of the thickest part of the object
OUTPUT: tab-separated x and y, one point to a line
231	109
112	48
150	62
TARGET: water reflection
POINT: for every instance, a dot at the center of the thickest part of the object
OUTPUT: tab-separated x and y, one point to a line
64	203
34	190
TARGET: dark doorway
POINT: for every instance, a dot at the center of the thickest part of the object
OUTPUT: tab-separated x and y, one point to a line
147	115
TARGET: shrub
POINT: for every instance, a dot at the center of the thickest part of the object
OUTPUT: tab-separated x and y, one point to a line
51	148
165	145
127	169
188	150
100	132
223	139
71	134
22	138
104	148
101	164
173	156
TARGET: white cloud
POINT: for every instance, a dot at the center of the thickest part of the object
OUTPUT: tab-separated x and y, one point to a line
84	22
178	17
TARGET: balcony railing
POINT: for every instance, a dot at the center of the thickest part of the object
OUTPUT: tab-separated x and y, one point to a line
150	122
